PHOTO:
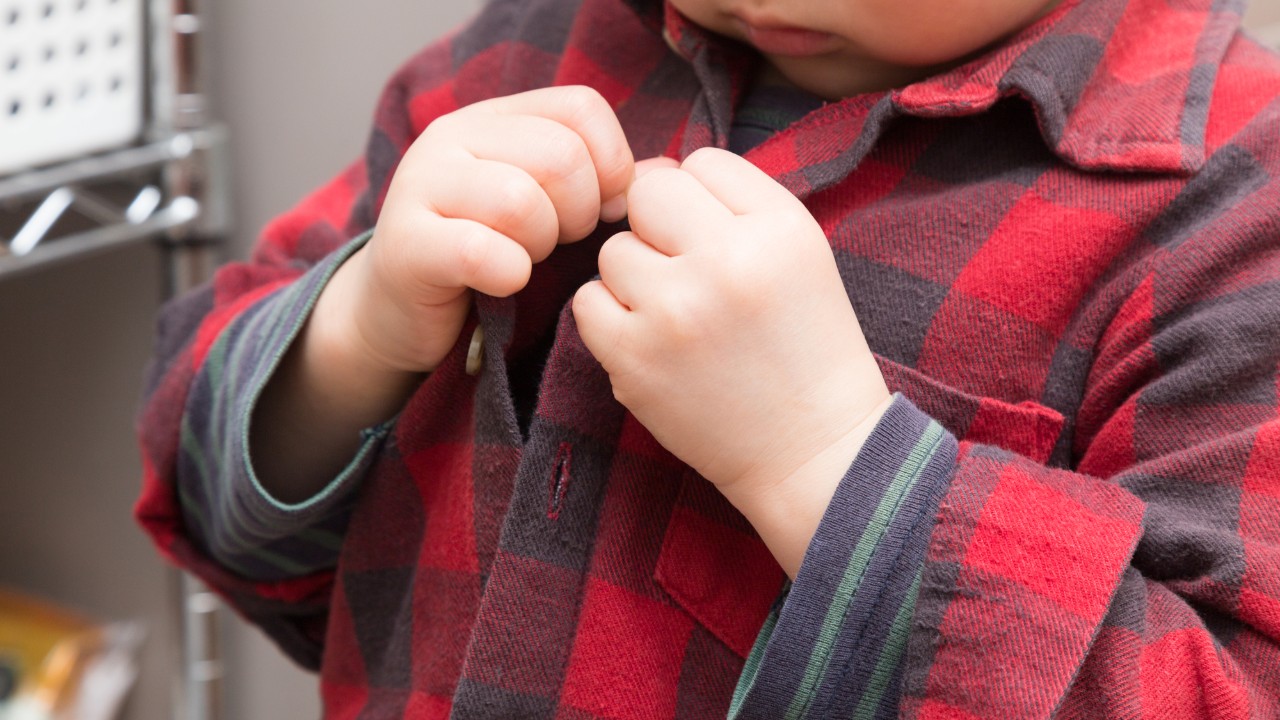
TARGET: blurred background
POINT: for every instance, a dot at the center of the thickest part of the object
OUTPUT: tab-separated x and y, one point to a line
295	82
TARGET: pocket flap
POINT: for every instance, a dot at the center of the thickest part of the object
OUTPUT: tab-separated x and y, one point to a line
714	566
1026	428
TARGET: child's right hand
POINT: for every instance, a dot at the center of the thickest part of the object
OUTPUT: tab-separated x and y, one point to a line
479	197
482	194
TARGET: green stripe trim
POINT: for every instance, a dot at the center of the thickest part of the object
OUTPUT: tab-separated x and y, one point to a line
752	667
214	361
902	483
265	329
237	542
194	452
223	379
215	368
259	553
891	655
226	370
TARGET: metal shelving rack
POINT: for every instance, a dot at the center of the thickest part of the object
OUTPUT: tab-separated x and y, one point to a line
168	187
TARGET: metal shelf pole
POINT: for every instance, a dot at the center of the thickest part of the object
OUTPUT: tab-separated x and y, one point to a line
179	107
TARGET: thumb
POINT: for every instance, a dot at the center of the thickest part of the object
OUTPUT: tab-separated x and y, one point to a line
615	208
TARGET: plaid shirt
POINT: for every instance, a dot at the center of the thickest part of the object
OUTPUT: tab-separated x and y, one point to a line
1063	254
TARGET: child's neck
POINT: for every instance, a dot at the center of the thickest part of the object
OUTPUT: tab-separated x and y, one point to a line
868	78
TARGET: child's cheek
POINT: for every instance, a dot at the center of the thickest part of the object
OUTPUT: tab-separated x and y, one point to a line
936	32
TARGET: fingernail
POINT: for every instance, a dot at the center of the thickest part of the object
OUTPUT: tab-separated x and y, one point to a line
646	166
614	209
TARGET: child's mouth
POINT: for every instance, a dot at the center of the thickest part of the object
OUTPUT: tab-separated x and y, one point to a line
784	40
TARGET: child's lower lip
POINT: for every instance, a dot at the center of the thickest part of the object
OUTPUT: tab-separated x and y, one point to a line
794	42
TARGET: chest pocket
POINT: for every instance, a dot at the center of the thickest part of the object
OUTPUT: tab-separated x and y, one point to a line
1026	428
715	567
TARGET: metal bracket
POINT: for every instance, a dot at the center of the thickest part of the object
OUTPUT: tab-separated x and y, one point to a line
97	203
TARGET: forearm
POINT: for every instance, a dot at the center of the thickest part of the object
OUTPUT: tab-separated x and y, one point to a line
306	424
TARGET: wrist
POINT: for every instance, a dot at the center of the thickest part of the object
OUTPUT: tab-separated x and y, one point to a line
336	339
308	416
786	510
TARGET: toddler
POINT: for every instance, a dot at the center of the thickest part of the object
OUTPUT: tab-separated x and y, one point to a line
762	358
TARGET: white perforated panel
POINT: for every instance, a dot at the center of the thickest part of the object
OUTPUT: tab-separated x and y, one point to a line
70	78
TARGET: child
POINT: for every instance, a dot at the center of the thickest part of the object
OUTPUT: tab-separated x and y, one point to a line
489	460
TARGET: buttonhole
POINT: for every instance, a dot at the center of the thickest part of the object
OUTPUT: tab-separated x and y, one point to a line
559	483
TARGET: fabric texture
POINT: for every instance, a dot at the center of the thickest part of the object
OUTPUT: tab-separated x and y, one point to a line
1063	254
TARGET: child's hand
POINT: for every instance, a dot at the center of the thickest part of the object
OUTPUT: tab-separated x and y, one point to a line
726	330
482	194
479	197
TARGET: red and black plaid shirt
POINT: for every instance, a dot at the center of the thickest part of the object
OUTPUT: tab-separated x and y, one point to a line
1063	252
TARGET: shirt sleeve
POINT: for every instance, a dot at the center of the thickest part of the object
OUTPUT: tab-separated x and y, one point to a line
1143	579
230	515
834	643
1139	578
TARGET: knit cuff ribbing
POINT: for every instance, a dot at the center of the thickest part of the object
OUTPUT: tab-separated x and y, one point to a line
834	641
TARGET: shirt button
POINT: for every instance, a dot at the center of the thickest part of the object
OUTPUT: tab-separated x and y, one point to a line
475	353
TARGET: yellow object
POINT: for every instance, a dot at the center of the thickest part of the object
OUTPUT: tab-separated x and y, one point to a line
45	648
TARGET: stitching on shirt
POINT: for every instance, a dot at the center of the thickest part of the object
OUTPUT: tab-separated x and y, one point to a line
558	484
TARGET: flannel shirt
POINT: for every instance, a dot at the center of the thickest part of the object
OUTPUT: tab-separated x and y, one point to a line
1063	254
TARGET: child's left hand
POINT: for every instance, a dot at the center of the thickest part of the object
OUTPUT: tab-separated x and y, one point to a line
726	329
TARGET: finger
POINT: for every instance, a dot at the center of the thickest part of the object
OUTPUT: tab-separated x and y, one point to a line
555	156
739	185
469	254
588	114
501	196
643	167
615	209
672	211
602	322
631	268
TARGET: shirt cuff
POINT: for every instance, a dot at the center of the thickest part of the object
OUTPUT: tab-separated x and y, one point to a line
225	505
833	644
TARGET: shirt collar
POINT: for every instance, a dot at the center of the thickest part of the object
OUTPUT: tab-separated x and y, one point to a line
1116	84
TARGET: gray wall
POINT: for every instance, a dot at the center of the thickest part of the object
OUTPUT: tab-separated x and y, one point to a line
1261	13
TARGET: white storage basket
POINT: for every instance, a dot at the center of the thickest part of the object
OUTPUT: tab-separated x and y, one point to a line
71	78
